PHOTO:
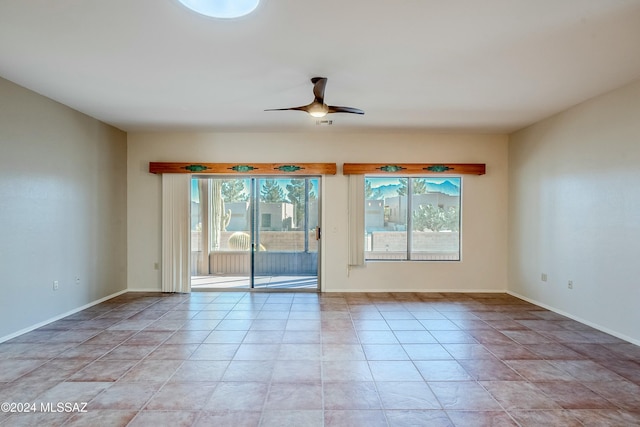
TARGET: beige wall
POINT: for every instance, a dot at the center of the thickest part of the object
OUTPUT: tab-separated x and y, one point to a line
574	212
484	201
62	209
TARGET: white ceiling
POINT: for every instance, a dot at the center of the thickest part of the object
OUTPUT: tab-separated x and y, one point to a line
440	65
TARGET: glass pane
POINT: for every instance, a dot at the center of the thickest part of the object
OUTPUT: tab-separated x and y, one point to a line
221	238
435	206
197	249
230	215
287	215
313	209
385	218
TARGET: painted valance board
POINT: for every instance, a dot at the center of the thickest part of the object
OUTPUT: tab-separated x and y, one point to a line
414	168
245	168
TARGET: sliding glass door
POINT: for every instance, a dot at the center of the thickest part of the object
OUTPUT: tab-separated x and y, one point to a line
255	232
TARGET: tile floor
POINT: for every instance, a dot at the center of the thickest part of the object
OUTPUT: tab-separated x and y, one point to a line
306	359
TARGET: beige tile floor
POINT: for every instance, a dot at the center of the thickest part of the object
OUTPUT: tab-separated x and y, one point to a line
307	359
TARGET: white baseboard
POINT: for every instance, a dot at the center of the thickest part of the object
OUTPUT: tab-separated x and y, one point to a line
577	319
143	290
61	316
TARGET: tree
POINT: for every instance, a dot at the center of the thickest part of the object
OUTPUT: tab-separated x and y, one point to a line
435	218
295	195
271	192
219	217
452	217
369	192
233	190
402	189
419	186
372	193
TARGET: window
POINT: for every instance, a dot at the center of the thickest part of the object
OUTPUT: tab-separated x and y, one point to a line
412	218
265	220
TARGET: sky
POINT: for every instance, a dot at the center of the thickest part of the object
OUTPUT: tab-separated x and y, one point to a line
380	181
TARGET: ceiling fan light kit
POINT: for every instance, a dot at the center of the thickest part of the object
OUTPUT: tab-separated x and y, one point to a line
318	108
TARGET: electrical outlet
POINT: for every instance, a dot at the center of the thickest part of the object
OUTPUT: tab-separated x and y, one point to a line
77	280
570	284
156	266
543	277
55	285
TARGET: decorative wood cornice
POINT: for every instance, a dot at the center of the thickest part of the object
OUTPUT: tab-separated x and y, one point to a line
414	168
245	168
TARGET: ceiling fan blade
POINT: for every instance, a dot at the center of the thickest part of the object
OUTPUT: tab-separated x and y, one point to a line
319	83
335	109
302	108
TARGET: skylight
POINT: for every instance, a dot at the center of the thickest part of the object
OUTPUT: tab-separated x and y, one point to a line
225	9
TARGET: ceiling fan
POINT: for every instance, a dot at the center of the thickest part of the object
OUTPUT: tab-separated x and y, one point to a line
318	108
